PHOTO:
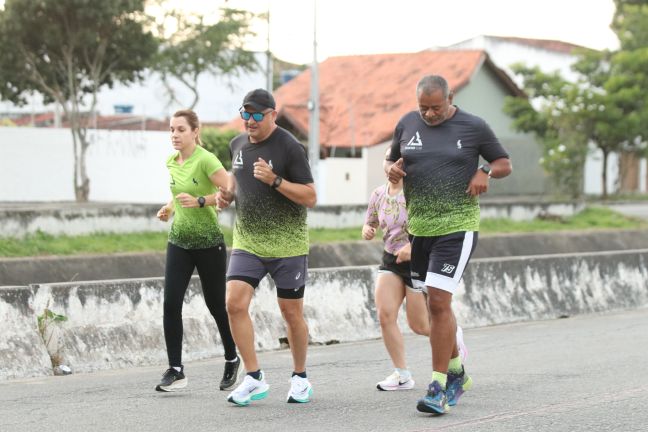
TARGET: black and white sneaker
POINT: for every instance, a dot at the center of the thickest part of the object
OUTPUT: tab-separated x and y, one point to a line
172	380
230	374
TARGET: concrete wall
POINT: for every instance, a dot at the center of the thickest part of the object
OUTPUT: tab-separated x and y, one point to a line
70	218
119	323
32	270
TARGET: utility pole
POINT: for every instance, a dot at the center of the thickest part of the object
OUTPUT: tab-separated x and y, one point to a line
269	71
313	106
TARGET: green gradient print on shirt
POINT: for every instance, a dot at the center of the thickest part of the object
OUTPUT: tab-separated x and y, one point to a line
440	162
194	228
268	224
441	207
271	226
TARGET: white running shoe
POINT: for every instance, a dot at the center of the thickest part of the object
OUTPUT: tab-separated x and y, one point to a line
249	390
395	382
461	346
300	390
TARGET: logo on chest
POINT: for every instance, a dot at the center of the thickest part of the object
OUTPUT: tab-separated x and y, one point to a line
415	142
238	160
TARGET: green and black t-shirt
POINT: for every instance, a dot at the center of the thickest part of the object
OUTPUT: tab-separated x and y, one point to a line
439	162
194	228
267	223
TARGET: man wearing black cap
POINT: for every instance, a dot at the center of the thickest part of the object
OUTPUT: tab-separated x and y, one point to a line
273	187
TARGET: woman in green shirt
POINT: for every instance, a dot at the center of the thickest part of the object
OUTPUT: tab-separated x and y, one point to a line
195	242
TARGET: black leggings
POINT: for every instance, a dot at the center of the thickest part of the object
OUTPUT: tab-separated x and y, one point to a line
180	264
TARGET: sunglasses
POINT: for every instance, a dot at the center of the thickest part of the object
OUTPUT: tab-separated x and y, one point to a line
257	116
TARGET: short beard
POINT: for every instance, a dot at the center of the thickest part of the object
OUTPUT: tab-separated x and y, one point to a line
425	121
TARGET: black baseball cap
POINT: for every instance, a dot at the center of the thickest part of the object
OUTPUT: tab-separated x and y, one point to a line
259	99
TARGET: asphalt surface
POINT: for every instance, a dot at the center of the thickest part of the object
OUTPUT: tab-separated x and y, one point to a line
586	373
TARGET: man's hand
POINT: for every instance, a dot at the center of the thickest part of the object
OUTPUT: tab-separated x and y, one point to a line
224	198
478	184
263	172
368	232
396	171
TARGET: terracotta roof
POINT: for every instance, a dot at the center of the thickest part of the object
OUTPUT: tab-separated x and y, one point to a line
363	97
546	44
40	119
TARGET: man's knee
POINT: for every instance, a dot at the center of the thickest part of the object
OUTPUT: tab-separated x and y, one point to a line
292	311
439	301
238	298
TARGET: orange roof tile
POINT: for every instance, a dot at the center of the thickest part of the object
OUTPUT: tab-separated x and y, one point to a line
363	97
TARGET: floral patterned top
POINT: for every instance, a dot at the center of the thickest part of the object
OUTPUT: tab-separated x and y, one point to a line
390	214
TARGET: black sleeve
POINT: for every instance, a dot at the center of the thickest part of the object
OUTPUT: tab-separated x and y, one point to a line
395	147
490	148
298	168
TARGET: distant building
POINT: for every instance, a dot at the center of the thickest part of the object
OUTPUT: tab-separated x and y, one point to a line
363	97
220	97
551	56
548	55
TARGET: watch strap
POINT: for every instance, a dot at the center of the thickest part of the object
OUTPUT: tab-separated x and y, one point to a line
276	182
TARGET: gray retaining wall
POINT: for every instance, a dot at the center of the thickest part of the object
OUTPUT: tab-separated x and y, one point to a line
119	323
30	270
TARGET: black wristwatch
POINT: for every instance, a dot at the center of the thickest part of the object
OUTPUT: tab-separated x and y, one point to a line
486	168
201	201
276	182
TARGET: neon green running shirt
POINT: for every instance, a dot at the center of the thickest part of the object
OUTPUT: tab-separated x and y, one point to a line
194	228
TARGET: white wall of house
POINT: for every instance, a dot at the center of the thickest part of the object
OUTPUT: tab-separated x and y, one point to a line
123	166
351	180
504	53
594	172
345	181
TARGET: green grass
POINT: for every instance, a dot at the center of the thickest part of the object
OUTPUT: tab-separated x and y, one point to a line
46	244
589	219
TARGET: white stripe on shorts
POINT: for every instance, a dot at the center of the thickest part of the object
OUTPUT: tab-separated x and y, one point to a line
450	284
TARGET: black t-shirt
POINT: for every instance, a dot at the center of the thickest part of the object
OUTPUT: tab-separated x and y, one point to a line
267	223
439	162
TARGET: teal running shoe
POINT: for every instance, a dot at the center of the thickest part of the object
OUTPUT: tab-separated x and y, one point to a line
457	385
435	401
249	390
300	390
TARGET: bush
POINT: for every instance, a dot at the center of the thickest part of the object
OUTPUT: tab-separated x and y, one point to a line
217	142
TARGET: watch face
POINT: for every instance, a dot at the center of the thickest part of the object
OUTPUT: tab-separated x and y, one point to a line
201	201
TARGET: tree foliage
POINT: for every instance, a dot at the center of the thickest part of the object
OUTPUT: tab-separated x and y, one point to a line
605	106
197	48
66	50
217	142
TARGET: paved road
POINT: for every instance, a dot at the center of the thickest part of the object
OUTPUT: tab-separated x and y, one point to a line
637	209
587	373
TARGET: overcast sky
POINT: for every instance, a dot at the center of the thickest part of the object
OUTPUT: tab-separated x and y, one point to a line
347	27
